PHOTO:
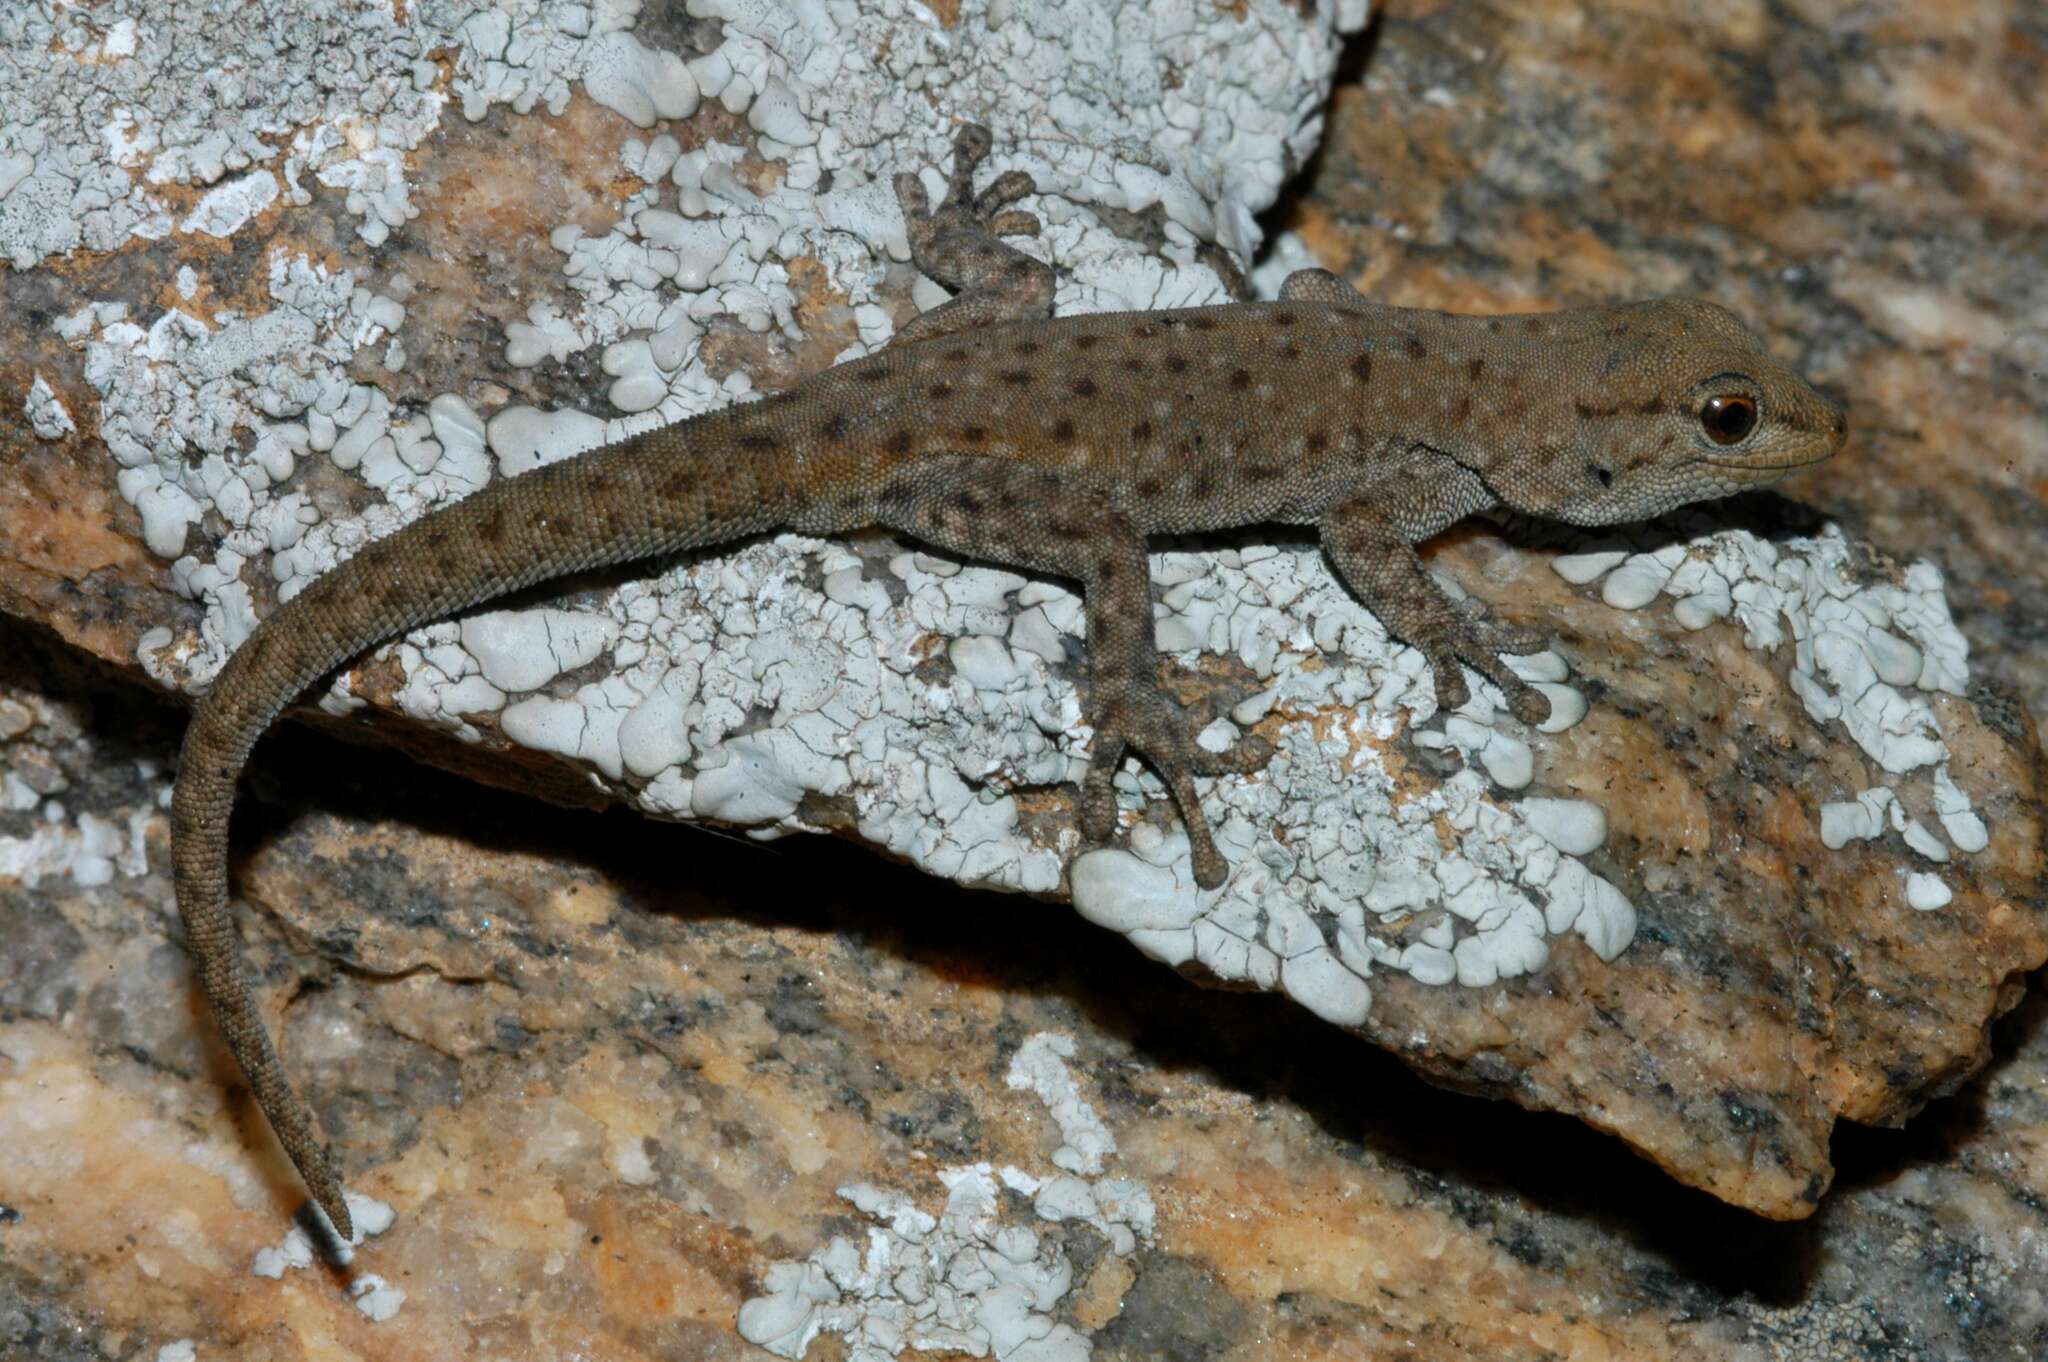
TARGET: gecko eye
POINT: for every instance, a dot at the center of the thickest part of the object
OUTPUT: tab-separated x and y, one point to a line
1728	418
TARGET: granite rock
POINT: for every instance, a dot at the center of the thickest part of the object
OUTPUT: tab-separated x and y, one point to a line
620	1083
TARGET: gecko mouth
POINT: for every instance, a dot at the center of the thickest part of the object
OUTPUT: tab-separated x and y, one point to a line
1745	466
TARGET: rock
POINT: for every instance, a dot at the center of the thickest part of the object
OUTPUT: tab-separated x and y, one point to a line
567	1097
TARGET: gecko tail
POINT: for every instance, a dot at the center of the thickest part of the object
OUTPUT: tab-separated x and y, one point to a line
662	491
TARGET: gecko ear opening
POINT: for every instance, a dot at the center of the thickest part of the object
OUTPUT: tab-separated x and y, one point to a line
1602	475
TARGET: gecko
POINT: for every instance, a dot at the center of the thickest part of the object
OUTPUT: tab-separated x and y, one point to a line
991	429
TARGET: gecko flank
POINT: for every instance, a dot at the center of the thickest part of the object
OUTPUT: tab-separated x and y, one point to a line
1057	445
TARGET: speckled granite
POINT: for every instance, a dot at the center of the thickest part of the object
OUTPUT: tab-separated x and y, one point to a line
609	1075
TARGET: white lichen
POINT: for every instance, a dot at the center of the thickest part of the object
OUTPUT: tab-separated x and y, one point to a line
376	1298
1866	656
971	1279
46	412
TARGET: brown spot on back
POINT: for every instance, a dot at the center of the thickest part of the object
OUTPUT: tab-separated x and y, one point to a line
1587	411
1026	347
756	440
1020	377
1085	387
880	373
1142	431
492	530
1176	363
1085	342
941	390
1462	408
899	442
1316	442
1240	379
1361	367
834	427
1474	369
974	435
1280	318
1202	321
1135	365
1415	348
1651	407
1063	431
1263	472
1150	487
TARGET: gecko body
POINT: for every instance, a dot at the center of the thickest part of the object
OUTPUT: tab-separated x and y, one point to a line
1058	445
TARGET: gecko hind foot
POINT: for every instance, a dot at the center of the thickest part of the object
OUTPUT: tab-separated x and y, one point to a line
1156	730
959	244
977	216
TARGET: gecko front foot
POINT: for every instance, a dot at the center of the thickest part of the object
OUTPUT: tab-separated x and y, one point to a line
1479	644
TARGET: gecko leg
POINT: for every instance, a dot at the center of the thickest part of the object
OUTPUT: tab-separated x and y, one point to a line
1371	539
957	244
1031	518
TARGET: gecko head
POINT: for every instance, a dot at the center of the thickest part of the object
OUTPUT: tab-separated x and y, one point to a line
1677	401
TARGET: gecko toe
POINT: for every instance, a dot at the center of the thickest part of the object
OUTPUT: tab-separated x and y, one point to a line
1529	705
1514	640
1004	190
1155	729
1098	791
1210	867
1250	754
1014	224
1451	691
911	197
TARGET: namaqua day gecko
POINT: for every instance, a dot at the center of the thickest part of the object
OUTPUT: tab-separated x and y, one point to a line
1056	445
